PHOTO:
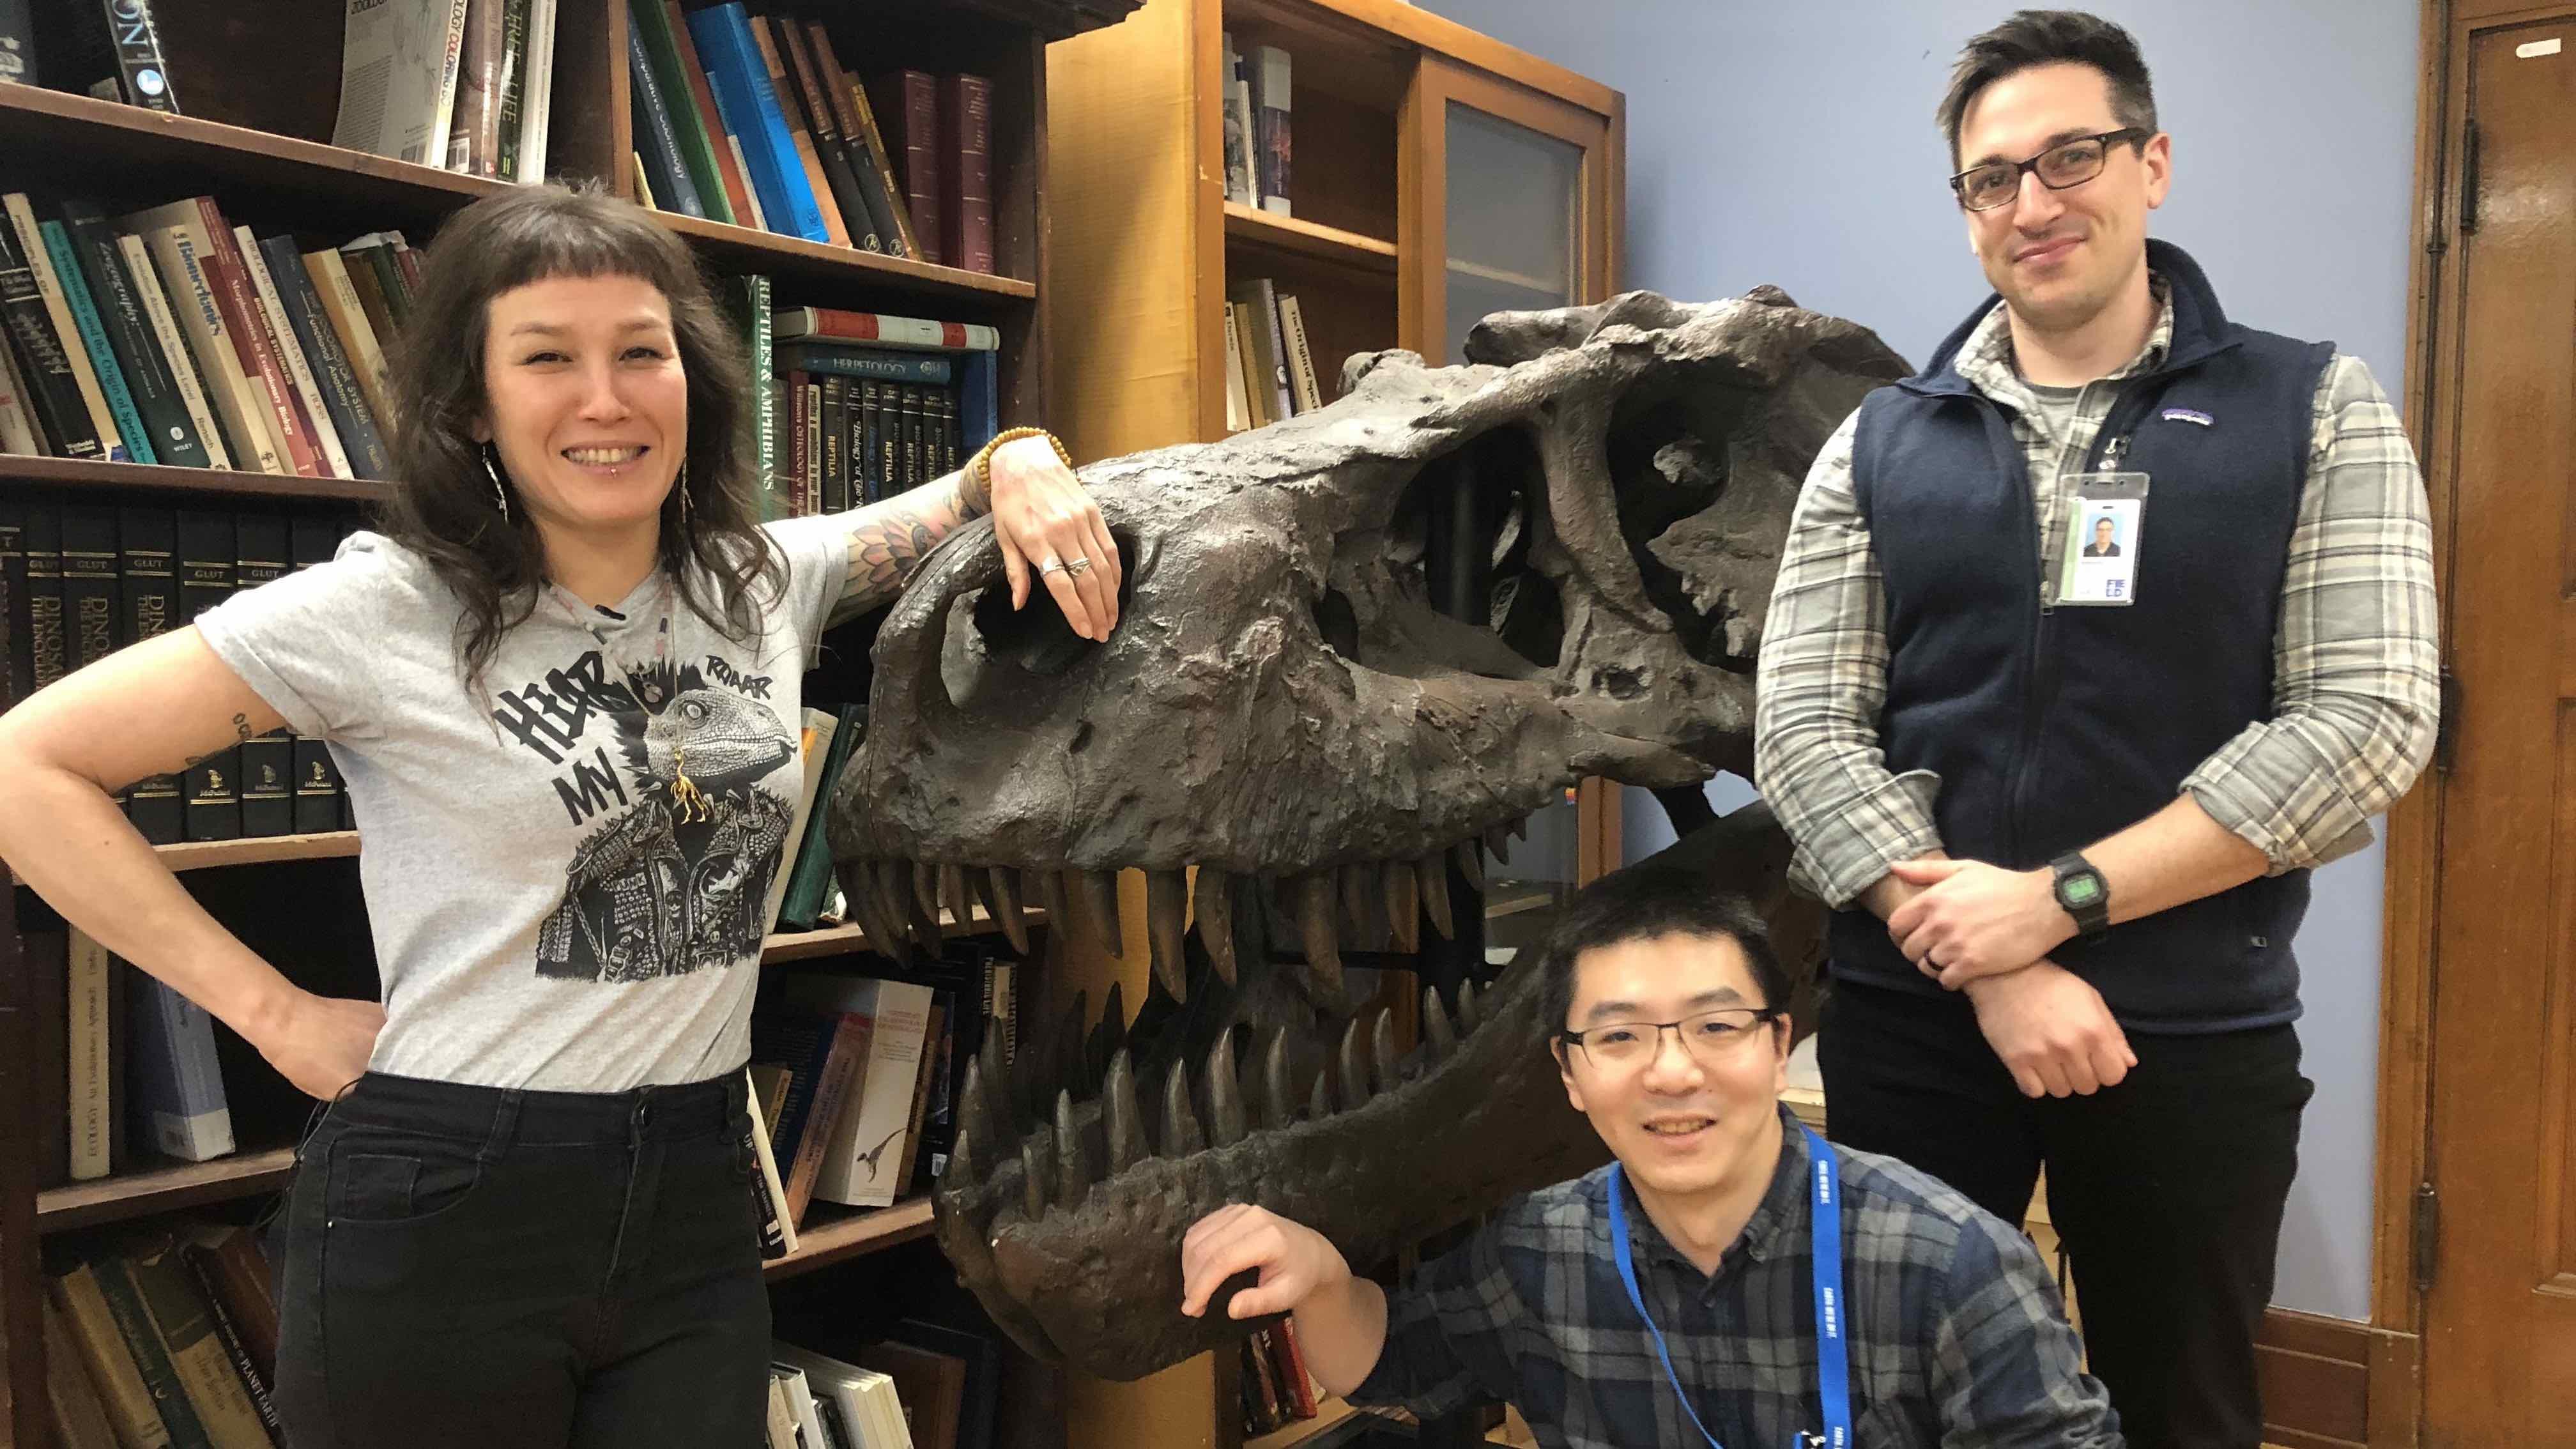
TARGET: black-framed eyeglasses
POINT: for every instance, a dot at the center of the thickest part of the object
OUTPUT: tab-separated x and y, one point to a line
1708	1036
2067	164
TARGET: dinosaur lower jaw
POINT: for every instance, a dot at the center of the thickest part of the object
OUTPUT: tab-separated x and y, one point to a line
1364	904
1071	1232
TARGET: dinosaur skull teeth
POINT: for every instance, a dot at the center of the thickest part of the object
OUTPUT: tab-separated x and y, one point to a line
1367	905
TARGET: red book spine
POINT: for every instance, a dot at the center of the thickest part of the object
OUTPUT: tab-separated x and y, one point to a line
966	203
910	102
247	321
845	326
1292	1367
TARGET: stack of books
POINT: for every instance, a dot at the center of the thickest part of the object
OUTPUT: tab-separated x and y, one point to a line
464	85
1258	136
1269	366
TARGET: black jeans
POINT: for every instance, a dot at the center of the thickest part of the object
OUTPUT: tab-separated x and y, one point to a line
472	1268
2166	1190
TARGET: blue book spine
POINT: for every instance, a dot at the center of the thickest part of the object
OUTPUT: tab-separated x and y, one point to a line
740	79
979	383
878	362
672	188
102	360
335	376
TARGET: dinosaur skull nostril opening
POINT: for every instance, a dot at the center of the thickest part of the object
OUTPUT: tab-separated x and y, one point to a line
1339	624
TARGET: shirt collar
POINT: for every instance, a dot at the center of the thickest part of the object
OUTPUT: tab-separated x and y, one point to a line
1986	358
1782	1209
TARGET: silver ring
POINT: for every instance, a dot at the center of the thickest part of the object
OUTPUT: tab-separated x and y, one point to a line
1053	566
1078	566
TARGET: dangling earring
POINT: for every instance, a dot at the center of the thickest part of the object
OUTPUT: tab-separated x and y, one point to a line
683	486
500	499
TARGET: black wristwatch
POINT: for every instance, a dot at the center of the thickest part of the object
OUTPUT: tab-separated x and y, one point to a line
2082	892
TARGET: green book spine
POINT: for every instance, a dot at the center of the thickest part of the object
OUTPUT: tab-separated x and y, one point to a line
697	151
148	379
749	296
812	879
134	1324
102	360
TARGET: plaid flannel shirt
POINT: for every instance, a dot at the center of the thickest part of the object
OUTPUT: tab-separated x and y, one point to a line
1957	1335
2356	684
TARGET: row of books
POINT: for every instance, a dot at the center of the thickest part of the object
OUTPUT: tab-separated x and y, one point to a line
855	1079
752	119
1257	131
126	1070
172	336
466	85
164	1333
79	581
108	48
1276	1388
819	1402
1269	365
857	406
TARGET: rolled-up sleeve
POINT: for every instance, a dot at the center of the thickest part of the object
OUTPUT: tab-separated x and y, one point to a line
1818	694
2356	691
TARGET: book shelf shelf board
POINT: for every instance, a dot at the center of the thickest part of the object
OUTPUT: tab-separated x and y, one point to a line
844	940
848	1237
257	850
162	1189
741	249
17	473
1252	228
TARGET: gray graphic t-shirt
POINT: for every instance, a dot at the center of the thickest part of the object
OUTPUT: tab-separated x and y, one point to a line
565	877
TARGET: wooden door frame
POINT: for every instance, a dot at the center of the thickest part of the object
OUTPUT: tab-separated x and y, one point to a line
2412	908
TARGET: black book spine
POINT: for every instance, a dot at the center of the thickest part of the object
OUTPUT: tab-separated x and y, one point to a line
89	583
317	787
148	539
872	426
138	55
41	359
854	443
333	374
47	651
263	552
836	476
17	43
129	337
915	459
206	568
17	658
949	459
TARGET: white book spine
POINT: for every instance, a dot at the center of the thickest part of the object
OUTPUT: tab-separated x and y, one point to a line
451	68
767	1153
49	285
330	277
867	1144
1237	403
174	346
299	371
536	102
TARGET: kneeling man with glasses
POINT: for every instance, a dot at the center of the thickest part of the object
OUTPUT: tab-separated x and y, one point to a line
1730	1278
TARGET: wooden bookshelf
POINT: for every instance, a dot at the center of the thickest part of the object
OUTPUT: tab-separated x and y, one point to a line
259	82
1251	228
257	850
835	1239
1329	1414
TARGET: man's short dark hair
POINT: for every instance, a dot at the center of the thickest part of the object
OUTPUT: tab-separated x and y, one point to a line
1642	903
2049	37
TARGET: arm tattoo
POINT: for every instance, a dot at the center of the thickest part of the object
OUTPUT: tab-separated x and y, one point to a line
889	541
241	735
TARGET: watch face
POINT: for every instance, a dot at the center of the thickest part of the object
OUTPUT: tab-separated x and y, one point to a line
2080	890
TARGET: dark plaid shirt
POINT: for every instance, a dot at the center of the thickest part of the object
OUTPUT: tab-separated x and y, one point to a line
1957	1334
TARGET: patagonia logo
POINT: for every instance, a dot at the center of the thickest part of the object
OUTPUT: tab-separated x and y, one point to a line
2188	415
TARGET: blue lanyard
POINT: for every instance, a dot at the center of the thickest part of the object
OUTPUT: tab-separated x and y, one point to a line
1833	1353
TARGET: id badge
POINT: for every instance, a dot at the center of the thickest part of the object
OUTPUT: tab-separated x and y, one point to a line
2106	525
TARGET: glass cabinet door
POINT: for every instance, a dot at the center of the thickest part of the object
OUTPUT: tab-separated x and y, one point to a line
1512	196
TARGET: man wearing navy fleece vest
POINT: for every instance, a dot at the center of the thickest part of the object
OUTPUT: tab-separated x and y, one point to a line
2065	802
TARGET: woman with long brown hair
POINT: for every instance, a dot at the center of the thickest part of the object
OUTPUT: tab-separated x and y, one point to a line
562	684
